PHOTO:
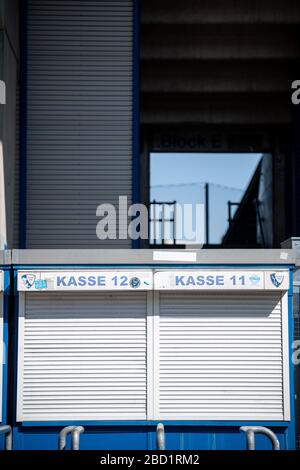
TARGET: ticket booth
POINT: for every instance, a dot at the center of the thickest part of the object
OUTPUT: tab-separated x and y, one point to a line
118	342
4	305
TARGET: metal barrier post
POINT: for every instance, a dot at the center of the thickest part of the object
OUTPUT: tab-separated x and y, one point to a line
6	430
76	437
75	432
250	436
160	437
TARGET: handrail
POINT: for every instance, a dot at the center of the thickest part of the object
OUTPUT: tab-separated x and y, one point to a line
76	437
75	432
250	436
6	430
160	437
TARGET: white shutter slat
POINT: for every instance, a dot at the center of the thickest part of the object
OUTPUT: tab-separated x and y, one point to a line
105	381
221	356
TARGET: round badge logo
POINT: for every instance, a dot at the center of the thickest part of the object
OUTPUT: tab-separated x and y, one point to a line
134	282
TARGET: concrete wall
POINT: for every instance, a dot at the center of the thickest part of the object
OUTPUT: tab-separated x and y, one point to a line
9	72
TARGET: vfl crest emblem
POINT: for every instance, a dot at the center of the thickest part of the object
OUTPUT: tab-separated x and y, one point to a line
28	280
276	279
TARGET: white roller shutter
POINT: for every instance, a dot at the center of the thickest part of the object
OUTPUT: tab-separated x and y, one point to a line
221	356
82	356
79	130
164	355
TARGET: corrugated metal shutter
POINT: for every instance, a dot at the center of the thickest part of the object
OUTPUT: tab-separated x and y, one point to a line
16	234
79	150
83	356
221	356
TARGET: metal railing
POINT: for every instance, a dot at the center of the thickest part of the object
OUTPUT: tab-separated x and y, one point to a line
259	218
6	430
162	223
75	432
250	436
231	204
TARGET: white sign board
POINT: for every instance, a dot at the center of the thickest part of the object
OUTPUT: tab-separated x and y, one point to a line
222	280
1	281
95	280
84	280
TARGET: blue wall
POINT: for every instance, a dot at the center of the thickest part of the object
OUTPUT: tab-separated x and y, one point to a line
143	437
6	297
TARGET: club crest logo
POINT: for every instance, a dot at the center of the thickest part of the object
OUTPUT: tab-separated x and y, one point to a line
277	279
28	280
134	282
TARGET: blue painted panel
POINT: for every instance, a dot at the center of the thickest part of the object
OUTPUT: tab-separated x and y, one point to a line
118	438
237	440
144	438
5	344
292	433
126	438
6	293
187	438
